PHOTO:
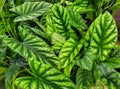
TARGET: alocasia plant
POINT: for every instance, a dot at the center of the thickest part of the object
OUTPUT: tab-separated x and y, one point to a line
52	46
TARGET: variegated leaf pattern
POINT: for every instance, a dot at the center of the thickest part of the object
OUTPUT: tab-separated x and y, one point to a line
69	51
109	76
44	77
104	35
77	21
30	10
32	47
57	21
84	79
80	6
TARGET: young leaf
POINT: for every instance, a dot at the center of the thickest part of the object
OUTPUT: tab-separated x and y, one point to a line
9	75
32	47
104	35
30	10
69	51
84	79
44	77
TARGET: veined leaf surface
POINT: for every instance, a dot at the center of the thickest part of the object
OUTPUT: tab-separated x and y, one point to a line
32	47
109	74
44	77
84	79
69	51
57	20
30	10
104	35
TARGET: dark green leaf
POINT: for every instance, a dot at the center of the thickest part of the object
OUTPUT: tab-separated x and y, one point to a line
84	79
9	75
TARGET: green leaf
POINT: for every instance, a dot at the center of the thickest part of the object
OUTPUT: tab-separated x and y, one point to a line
68	68
2	72
69	51
84	79
87	61
9	76
30	10
77	21
113	62
44	77
111	75
2	50
32	47
80	6
40	33
2	2
57	21
57	38
104	35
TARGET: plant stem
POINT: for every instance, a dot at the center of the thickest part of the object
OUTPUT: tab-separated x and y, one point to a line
13	83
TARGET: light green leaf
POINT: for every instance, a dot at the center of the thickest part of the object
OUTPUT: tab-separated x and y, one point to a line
57	21
104	35
30	10
32	47
69	51
84	79
57	38
9	75
2	72
2	2
44	77
68	68
2	50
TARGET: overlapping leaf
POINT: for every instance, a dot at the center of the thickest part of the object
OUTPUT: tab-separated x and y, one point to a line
30	10
69	51
44	77
77	21
110	75
57	20
9	75
80	6
32	47
84	79
104	35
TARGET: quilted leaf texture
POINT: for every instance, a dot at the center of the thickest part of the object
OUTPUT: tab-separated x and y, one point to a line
44	77
57	20
32	47
30	10
69	51
102	35
84	79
